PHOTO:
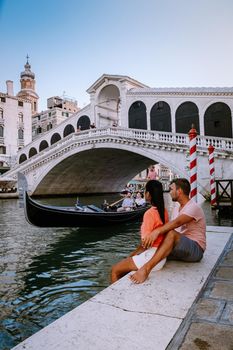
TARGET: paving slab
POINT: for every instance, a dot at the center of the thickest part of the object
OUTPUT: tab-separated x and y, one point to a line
203	336
129	316
208	309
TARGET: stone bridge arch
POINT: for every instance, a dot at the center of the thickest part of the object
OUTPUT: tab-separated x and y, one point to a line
77	171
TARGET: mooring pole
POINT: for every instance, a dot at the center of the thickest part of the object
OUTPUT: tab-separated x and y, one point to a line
212	176
193	162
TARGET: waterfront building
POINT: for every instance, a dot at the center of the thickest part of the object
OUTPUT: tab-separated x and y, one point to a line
15	126
59	108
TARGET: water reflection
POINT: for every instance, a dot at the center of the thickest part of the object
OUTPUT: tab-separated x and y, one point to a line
47	272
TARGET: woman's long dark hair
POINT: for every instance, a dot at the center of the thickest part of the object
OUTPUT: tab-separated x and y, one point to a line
155	188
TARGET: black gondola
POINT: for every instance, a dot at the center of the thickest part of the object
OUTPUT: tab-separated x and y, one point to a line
52	216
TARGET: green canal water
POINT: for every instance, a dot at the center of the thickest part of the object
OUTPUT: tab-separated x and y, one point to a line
44	273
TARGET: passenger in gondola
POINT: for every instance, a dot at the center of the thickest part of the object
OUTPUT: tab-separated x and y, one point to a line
140	201
128	203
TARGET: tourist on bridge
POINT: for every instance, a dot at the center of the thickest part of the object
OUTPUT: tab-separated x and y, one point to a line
152	173
154	217
185	235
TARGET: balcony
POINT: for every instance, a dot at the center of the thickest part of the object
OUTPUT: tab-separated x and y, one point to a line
2	121
20	143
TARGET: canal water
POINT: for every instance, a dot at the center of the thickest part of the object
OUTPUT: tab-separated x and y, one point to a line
44	273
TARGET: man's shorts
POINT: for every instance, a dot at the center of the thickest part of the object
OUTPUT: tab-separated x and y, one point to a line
186	250
140	259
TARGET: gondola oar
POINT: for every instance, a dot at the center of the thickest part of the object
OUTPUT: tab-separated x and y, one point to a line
111	205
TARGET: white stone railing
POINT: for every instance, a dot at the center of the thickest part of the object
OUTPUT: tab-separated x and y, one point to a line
162	136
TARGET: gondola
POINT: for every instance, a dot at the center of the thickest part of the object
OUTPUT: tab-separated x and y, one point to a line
86	216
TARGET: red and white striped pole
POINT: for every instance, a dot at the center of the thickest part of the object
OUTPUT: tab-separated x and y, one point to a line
193	162
212	176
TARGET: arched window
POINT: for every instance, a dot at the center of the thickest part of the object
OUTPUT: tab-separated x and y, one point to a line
1	113
137	116
160	117
43	145
2	150
39	130
69	129
32	152
20	117
1	131
22	158
56	137
83	122
186	116
20	134
218	120
49	126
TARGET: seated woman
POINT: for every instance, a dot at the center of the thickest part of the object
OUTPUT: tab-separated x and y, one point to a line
139	201
154	217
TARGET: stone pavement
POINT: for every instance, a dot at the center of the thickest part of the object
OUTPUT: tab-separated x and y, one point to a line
209	322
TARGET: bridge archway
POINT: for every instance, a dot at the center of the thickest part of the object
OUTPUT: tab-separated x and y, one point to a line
44	144
32	152
186	115
55	138
160	117
83	122
69	129
218	120
22	158
137	116
116	167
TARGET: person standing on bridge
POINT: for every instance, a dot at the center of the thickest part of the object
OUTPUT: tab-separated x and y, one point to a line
152	173
154	217
185	235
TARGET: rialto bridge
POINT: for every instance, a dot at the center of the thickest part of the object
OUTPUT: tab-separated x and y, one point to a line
135	126
105	159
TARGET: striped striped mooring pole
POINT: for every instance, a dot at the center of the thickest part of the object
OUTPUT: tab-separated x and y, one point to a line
193	162
212	176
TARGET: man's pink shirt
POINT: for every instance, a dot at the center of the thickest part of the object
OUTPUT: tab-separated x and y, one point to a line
196	229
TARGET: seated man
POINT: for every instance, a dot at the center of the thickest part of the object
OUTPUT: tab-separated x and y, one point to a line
185	235
128	203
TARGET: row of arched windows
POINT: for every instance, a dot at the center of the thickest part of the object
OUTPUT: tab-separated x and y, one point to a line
20	116
217	118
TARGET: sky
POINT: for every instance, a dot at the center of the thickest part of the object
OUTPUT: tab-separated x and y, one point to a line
71	43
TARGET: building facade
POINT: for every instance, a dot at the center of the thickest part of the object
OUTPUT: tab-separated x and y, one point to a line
58	110
15	126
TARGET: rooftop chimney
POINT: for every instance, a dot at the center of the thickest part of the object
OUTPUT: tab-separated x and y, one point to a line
9	87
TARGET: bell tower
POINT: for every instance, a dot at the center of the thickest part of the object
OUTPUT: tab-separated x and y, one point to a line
27	92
